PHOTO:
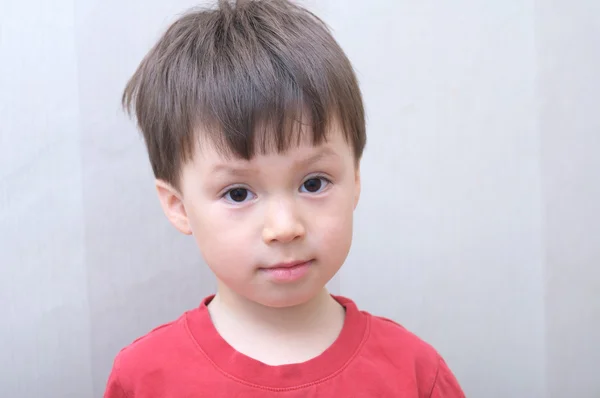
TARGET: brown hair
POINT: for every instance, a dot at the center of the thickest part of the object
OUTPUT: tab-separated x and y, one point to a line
244	74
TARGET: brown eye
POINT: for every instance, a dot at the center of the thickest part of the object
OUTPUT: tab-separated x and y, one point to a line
314	185
237	195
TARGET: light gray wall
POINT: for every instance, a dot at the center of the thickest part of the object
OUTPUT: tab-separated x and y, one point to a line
479	218
568	85
44	307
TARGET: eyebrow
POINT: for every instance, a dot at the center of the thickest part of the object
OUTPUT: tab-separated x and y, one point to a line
225	168
323	153
228	168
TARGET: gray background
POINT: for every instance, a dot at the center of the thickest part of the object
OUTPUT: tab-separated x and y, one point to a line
478	228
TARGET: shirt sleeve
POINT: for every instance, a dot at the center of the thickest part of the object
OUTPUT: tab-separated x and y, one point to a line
445	384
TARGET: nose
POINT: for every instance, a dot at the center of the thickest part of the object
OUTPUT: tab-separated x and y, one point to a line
282	222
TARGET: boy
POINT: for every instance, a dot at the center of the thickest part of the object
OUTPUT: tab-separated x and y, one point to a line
254	124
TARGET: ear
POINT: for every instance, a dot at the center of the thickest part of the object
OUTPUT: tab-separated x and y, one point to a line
356	185
171	201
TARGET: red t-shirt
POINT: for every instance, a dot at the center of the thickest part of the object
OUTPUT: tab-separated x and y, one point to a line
372	357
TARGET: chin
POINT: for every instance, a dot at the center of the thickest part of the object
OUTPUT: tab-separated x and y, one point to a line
285	299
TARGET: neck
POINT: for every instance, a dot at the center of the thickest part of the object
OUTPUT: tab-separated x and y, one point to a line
229	307
300	332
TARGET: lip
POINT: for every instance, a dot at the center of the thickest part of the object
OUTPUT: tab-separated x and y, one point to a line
287	272
290	264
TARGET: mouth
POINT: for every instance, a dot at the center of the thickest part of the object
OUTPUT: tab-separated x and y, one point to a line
287	272
287	265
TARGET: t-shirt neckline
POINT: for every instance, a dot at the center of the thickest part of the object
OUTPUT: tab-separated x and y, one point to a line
251	371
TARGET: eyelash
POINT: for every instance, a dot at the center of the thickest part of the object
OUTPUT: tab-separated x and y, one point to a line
317	177
313	177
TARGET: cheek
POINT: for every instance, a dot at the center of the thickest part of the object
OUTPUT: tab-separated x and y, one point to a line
334	230
223	240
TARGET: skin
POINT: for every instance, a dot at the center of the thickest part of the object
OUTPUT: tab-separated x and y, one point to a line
247	216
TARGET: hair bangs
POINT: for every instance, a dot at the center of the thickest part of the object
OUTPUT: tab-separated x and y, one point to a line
250	77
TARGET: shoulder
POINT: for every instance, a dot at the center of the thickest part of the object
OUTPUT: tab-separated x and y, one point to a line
155	345
156	354
412	357
403	346
394	336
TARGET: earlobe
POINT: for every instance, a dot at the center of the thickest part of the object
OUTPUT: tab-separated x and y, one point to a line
172	204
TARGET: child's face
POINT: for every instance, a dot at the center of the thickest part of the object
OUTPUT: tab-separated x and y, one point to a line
248	216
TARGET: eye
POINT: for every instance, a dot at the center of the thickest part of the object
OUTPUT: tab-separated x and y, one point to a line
315	185
238	195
